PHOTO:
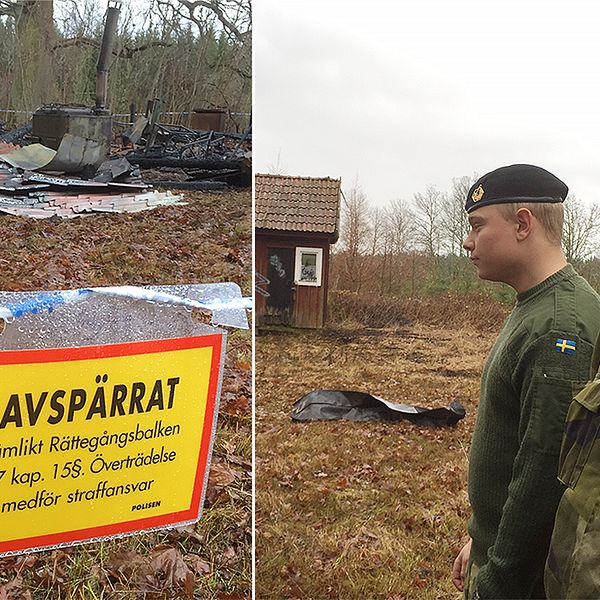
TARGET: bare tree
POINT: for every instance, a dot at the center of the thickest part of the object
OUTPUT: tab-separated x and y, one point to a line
400	226
277	167
234	16
34	33
355	230
10	8
81	23
227	83
428	221
580	230
355	237
377	233
454	221
49	48
398	238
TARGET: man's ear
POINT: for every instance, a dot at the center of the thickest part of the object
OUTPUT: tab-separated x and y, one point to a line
523	223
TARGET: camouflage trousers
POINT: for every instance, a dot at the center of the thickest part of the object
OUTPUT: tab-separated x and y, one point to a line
573	565
469	592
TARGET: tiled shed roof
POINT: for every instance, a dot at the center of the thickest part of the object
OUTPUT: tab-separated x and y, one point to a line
288	203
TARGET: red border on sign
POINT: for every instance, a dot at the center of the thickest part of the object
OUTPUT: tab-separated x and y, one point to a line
129	349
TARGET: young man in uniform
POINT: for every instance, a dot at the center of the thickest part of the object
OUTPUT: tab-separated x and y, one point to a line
542	351
573	565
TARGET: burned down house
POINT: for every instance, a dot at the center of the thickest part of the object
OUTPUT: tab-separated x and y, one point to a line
296	221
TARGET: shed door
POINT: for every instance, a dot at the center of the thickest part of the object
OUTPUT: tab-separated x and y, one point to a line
281	286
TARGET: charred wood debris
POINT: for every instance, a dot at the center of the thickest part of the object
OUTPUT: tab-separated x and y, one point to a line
170	156
147	154
183	158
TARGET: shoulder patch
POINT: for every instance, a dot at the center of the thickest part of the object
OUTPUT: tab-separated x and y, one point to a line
565	346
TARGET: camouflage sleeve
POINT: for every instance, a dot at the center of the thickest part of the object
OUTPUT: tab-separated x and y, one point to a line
573	565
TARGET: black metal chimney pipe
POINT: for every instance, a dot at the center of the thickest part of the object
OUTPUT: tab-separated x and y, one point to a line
108	37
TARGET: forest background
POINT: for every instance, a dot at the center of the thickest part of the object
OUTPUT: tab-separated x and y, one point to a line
393	263
191	54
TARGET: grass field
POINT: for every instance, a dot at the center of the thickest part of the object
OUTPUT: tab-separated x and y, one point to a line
363	510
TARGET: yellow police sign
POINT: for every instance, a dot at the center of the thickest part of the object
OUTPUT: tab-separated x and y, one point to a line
104	440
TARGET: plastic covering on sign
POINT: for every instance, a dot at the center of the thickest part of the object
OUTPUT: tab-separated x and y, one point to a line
327	405
60	312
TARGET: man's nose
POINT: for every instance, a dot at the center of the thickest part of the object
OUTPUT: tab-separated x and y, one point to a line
468	243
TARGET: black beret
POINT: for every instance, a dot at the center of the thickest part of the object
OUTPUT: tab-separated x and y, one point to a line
516	183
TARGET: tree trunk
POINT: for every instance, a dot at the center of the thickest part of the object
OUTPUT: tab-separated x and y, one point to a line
34	82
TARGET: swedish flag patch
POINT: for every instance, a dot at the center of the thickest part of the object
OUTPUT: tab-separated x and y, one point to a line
565	346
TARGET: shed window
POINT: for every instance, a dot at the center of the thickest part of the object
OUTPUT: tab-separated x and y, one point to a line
309	264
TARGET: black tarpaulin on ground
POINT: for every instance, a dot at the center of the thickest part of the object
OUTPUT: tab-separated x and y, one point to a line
327	405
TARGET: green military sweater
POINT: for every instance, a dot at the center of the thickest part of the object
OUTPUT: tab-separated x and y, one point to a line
542	352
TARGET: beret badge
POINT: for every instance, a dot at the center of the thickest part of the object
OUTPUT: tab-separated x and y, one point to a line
477	194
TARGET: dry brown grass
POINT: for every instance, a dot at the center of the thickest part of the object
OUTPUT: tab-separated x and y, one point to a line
443	310
362	510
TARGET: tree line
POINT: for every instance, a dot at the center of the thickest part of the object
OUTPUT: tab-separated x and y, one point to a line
190	53
414	248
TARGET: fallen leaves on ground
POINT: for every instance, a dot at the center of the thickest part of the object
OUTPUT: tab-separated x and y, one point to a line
207	241
221	475
13	590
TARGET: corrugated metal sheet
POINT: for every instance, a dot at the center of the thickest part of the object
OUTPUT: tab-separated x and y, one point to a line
285	203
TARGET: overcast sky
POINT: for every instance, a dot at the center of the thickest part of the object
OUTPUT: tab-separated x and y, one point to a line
407	93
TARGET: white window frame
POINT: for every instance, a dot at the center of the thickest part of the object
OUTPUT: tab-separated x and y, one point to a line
298	266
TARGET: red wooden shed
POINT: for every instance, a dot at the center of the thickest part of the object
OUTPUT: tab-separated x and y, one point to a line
296	221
